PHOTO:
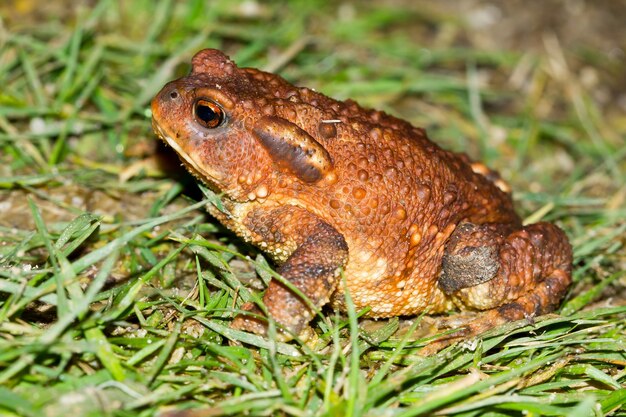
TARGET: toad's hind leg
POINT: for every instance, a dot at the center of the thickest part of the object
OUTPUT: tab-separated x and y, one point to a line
509	274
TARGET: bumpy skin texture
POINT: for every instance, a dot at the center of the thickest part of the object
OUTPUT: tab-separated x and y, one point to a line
323	185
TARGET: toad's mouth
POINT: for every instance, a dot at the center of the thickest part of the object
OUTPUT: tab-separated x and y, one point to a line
210	180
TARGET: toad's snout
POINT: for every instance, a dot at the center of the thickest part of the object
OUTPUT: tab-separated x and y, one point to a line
168	101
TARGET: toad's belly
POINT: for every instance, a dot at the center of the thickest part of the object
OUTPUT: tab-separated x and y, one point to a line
390	290
397	275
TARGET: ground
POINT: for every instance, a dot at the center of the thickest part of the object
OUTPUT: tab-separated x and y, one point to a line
116	288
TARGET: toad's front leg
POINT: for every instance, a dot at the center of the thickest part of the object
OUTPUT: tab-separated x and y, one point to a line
311	254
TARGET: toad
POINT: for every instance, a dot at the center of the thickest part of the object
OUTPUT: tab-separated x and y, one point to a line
330	189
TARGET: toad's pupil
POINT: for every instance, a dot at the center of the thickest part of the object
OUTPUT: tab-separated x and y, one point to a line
206	114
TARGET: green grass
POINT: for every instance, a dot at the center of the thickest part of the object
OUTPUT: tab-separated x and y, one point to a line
116	289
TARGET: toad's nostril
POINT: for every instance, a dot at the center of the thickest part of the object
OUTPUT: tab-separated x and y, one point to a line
173	94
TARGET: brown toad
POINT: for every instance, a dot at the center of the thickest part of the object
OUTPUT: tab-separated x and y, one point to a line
324	185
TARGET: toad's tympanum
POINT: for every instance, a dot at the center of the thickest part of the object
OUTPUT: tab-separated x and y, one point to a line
327	187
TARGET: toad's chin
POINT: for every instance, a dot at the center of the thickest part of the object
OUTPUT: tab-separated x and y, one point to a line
208	178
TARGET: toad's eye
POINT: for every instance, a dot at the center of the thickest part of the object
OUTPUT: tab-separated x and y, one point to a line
207	113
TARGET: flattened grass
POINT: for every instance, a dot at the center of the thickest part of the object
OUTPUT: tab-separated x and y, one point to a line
116	290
